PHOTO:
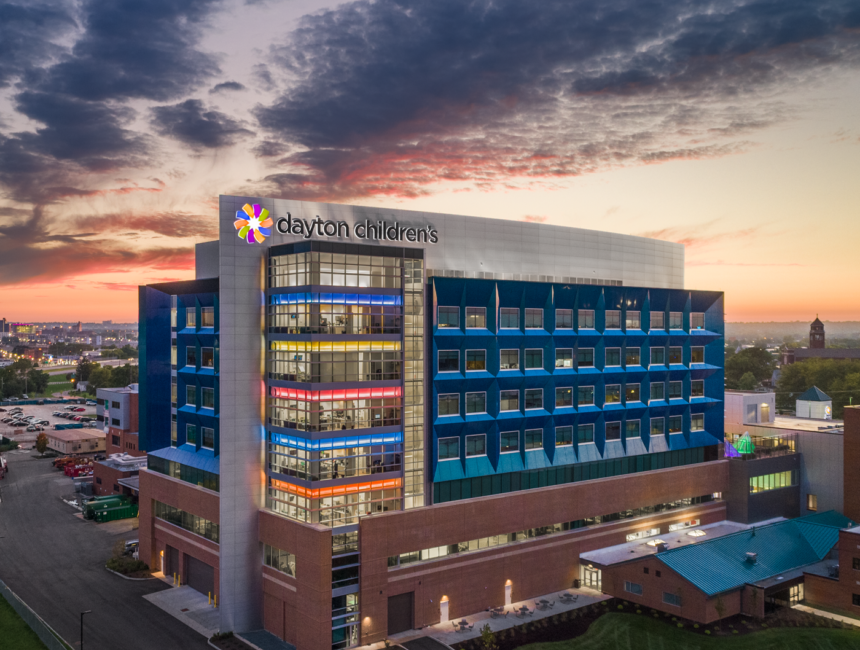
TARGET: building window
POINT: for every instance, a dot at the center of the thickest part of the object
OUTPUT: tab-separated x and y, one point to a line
476	445
208	435
174	391
449	448
676	424
207	357
633	588
658	426
658	391
563	436
114	440
585	395
509	400
697	355
855	563
173	354
676	320
509	441
191	434
585	319
676	356
632	429
534	439
812	503
509	360
449	361
675	389
564	358
185	520
631	357
855	599
658	320
476	403
697	320
115	405
99	480
207	317
191	356
697	388
476	317
534	398
585	358
643	534
534	359
476	359
631	393
613	394
115	422
563	397
534	319
681	525
449	404
672	599
563	319
509	318
191	317
208	398
449	317
279	560
191	396
173	315
613	357
633	320
585	433
173	431
658	356
613	431
613	320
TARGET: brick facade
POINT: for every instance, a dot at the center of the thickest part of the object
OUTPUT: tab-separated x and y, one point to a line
105	479
851	461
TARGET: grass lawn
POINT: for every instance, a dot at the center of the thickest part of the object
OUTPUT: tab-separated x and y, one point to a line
57	388
14	632
632	632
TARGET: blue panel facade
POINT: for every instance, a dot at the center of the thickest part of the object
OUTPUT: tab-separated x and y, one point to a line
625	351
154	375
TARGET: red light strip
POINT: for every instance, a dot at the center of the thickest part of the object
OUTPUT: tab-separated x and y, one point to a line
335	395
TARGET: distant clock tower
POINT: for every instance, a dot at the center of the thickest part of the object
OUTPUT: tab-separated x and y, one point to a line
816	335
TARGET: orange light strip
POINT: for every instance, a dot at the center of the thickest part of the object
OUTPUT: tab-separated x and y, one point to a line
336	490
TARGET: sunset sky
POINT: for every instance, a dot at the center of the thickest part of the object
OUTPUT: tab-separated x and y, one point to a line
732	127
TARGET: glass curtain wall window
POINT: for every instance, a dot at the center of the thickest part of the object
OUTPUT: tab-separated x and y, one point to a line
476	360
336	269
613	319
633	320
476	317
509	360
564	319
476	403
449	317
449	404
335	415
509	318
534	318
585	319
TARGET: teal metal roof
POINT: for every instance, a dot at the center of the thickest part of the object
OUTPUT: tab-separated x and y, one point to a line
829	518
814	394
719	565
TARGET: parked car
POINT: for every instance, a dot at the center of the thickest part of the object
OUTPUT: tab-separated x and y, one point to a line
34	427
77	418
25	396
69	407
79	409
44	422
91	403
2	410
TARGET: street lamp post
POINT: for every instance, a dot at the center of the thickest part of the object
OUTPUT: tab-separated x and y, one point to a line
82	627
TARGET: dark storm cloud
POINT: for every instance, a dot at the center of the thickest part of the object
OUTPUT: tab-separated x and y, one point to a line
192	124
26	30
227	85
395	94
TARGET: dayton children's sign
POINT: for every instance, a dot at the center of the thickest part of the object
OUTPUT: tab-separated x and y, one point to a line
377	230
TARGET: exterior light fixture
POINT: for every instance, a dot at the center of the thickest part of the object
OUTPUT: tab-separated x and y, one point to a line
654	542
697	533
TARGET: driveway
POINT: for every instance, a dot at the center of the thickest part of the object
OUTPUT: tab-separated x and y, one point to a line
55	561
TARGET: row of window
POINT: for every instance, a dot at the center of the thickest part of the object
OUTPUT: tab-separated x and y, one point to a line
668	597
773	481
509	400
341	510
324	367
207	436
504	539
206	357
336	463
334	319
279	560
509	441
207	395
187	521
335	415
207	317
449	360
185	473
335	269
509	318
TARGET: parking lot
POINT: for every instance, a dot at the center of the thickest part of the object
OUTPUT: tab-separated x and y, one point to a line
43	412
54	561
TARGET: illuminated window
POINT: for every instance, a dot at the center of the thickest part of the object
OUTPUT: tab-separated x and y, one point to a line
631	393
509	400
207	317
564	358
631	357
476	317
697	355
613	394
190	317
658	426
563	397
509	360
476	360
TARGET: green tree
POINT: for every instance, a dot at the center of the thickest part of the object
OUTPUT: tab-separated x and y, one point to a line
41	443
839	379
37	381
747	382
99	377
85	367
488	638
758	361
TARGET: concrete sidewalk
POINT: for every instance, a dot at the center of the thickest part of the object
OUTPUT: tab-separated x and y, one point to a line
830	615
188	606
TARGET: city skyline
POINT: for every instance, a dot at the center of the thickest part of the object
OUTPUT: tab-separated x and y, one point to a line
731	128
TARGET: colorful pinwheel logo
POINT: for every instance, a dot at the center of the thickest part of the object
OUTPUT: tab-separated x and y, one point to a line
253	223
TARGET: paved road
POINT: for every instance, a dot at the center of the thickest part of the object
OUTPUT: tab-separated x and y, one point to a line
55	563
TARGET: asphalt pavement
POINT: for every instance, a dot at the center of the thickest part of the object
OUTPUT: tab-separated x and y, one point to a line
54	561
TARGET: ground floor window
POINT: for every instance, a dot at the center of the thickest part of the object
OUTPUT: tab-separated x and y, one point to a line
672	599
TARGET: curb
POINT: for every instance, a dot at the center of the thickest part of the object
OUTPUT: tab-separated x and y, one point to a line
116	573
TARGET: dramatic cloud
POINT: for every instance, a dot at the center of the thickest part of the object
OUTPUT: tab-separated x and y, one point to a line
26	29
190	123
392	95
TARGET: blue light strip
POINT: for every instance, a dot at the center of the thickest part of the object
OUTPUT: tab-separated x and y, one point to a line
335	443
336	299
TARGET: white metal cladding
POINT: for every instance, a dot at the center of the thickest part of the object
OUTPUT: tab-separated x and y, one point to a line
476	245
